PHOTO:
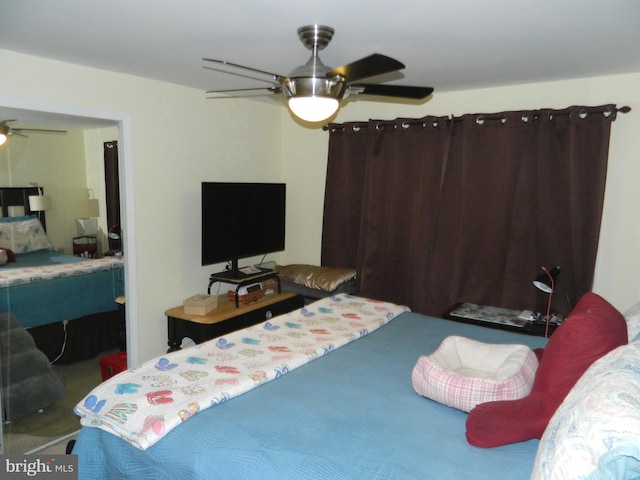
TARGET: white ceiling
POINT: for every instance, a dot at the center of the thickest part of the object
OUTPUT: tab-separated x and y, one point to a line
449	45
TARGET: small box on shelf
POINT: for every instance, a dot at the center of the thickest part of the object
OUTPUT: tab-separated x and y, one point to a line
246	298
200	304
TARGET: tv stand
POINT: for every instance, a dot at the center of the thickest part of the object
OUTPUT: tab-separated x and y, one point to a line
240	279
226	318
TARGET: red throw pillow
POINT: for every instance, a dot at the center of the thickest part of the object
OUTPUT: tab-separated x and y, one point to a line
592	330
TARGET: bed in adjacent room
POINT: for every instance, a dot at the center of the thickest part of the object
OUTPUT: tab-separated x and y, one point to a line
44	287
62	300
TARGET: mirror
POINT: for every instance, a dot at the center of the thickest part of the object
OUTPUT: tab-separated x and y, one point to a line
70	169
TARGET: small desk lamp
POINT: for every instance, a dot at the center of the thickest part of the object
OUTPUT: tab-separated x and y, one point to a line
547	282
115	240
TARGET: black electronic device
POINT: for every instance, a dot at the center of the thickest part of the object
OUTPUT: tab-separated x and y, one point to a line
241	220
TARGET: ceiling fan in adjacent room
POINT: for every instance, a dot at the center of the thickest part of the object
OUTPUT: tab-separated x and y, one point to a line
6	130
314	90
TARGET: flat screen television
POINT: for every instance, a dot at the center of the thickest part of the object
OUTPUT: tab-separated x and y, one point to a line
241	220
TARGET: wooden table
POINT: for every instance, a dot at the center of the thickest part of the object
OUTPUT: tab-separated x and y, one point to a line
226	317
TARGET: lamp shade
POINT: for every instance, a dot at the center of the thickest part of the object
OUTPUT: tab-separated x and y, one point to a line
87	226
94	207
39	203
547	280
313	108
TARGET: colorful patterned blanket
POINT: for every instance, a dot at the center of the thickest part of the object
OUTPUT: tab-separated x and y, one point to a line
142	405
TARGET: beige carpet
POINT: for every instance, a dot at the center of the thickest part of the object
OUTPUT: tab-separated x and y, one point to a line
58	420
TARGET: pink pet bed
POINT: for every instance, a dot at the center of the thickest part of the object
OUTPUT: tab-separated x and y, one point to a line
463	373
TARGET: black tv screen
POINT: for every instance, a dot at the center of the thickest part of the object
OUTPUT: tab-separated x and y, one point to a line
241	220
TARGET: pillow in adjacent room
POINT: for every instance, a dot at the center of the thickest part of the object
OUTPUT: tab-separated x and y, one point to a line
595	433
592	330
7	256
23	234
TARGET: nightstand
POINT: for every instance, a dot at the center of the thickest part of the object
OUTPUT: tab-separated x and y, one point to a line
85	246
496	317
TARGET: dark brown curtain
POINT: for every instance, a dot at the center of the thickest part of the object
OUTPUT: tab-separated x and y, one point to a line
381	178
112	189
436	211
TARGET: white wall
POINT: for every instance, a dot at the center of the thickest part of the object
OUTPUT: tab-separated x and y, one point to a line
616	278
54	162
180	139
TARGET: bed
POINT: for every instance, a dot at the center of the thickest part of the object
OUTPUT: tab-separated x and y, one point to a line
350	414
60	299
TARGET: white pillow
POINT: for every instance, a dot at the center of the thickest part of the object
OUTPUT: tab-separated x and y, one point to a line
632	316
595	433
23	235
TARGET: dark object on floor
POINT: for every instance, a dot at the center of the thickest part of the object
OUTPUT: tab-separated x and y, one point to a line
70	446
28	382
113	364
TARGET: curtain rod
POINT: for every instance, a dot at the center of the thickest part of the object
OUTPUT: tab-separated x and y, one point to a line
481	118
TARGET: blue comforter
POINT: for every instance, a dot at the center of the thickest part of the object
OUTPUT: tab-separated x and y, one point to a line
351	414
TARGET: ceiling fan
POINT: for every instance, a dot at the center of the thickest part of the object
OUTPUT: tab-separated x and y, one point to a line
314	90
6	130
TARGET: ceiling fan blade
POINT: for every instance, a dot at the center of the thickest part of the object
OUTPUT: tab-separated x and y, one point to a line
242	91
270	77
375	64
402	91
40	130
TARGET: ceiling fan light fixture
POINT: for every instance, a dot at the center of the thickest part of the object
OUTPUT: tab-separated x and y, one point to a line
314	90
313	108
4	134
